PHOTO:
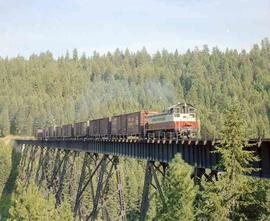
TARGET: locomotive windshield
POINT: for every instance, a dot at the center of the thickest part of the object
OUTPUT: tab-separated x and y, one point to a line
191	110
183	110
176	110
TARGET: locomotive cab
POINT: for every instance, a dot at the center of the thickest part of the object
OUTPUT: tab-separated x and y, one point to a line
184	116
183	112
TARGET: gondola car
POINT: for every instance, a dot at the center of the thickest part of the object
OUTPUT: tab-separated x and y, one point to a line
136	123
51	131
58	131
100	128
119	126
81	129
67	131
131	125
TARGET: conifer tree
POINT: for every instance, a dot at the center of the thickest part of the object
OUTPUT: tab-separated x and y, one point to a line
4	122
179	193
5	164
30	204
222	199
75	54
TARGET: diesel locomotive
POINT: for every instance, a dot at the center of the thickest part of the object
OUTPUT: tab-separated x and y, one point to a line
179	121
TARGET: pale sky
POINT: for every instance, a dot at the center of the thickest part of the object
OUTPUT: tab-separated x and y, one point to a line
34	26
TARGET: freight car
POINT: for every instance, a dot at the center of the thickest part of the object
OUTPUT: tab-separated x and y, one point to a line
81	129
100	128
119	125
58	131
51	131
67	131
130	125
137	121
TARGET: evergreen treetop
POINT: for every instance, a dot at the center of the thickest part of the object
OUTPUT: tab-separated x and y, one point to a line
179	193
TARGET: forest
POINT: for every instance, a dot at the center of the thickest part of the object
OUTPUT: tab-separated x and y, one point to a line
230	89
233	196
42	91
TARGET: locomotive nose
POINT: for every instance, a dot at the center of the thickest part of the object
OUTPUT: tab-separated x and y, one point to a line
187	124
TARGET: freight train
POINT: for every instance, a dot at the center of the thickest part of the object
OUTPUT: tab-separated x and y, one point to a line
176	122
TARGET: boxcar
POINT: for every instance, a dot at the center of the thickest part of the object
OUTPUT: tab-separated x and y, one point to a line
58	131
136	122
40	133
119	125
99	127
67	130
81	129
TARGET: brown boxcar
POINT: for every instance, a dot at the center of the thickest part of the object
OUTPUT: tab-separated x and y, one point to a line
136	122
58	131
67	130
51	131
99	127
119	125
81	129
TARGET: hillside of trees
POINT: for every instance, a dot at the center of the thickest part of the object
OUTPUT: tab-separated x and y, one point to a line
43	91
232	197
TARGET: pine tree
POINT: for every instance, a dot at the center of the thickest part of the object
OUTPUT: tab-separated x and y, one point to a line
75	54
5	164
179	192
20	122
256	203
222	199
4	122
30	204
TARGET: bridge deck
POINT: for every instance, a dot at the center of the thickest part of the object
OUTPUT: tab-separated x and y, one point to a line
194	152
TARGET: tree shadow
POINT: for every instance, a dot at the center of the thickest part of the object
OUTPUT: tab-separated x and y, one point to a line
6	197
